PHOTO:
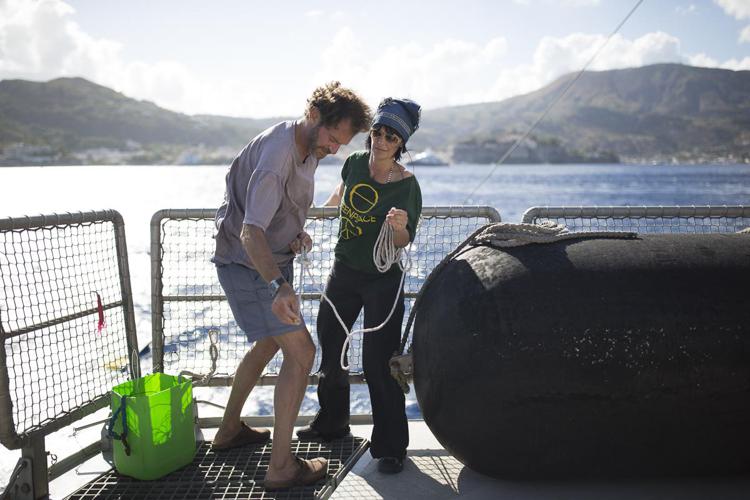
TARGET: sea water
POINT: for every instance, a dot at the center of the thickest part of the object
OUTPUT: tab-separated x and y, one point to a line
139	191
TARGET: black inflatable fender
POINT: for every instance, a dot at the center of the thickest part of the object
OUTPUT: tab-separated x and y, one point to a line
591	357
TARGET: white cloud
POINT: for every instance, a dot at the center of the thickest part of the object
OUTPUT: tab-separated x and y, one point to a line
708	62
449	72
703	60
555	57
737	64
564	3
318	15
686	10
40	41
458	72
739	9
580	3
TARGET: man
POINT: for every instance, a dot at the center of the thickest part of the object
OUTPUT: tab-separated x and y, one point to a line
269	189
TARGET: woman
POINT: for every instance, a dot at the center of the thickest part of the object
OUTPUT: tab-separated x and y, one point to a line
375	190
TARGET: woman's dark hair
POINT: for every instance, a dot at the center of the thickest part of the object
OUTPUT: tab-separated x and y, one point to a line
399	151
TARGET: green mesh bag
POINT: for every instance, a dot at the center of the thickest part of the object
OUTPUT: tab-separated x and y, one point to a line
152	425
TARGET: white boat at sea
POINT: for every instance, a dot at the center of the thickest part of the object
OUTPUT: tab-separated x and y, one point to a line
427	159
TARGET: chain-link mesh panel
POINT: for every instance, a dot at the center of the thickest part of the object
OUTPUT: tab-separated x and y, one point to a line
703	219
61	315
192	302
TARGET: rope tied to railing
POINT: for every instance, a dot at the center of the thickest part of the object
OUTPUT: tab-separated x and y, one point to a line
496	235
213	351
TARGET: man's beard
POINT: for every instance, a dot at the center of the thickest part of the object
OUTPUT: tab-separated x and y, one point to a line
318	151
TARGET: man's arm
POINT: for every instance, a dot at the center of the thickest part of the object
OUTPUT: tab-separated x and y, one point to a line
285	305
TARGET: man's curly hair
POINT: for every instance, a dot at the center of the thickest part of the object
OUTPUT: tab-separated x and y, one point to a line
336	103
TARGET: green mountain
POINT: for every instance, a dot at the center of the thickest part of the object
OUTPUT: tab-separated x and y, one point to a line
650	113
68	115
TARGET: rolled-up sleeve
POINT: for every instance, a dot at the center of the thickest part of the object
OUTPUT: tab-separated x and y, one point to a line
263	198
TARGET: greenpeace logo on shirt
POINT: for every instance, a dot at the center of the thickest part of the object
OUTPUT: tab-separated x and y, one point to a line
361	200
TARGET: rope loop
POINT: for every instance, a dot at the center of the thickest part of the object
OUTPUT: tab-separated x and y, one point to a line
385	255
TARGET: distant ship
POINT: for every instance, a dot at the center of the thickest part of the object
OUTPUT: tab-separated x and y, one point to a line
427	159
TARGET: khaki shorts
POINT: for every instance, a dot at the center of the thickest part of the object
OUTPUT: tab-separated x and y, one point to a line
250	300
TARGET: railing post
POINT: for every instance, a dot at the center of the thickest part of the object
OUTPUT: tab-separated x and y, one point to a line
127	295
8	434
36	453
157	288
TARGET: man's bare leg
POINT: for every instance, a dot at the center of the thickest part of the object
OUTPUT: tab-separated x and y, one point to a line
248	372
299	355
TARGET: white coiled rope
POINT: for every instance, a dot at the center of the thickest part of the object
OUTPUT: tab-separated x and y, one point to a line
384	252
384	255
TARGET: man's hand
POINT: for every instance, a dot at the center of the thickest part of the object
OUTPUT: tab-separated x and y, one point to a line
303	240
285	306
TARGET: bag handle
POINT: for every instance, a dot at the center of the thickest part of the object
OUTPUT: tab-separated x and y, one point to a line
111	426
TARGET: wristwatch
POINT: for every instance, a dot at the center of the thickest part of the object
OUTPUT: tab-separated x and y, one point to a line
274	285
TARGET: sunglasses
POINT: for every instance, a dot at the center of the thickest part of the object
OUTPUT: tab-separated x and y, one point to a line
391	138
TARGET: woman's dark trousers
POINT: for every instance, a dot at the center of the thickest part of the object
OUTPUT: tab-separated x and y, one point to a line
350	291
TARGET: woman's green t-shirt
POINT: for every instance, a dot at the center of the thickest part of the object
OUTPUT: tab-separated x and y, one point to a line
363	208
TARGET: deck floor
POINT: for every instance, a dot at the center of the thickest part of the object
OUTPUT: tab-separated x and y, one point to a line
429	473
231	474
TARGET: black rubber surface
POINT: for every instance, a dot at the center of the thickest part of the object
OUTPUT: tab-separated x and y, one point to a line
598	357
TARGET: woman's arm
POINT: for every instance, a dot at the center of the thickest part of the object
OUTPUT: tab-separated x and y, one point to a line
335	199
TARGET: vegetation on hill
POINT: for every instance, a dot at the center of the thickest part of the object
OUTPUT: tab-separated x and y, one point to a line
650	113
664	112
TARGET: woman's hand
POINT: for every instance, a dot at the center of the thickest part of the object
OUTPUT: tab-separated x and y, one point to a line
397	218
303	240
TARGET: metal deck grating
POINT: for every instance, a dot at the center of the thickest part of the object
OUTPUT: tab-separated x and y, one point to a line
231	474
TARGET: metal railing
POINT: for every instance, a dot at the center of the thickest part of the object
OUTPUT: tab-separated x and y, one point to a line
66	311
66	322
189	309
645	219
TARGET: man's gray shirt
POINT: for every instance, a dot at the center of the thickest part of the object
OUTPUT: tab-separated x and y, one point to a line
268	186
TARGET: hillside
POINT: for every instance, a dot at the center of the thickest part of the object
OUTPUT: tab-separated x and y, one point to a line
652	113
69	115
649	112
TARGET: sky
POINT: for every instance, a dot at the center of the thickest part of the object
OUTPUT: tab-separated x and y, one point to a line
260	59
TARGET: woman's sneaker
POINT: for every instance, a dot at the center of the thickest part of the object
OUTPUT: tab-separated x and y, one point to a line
310	433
